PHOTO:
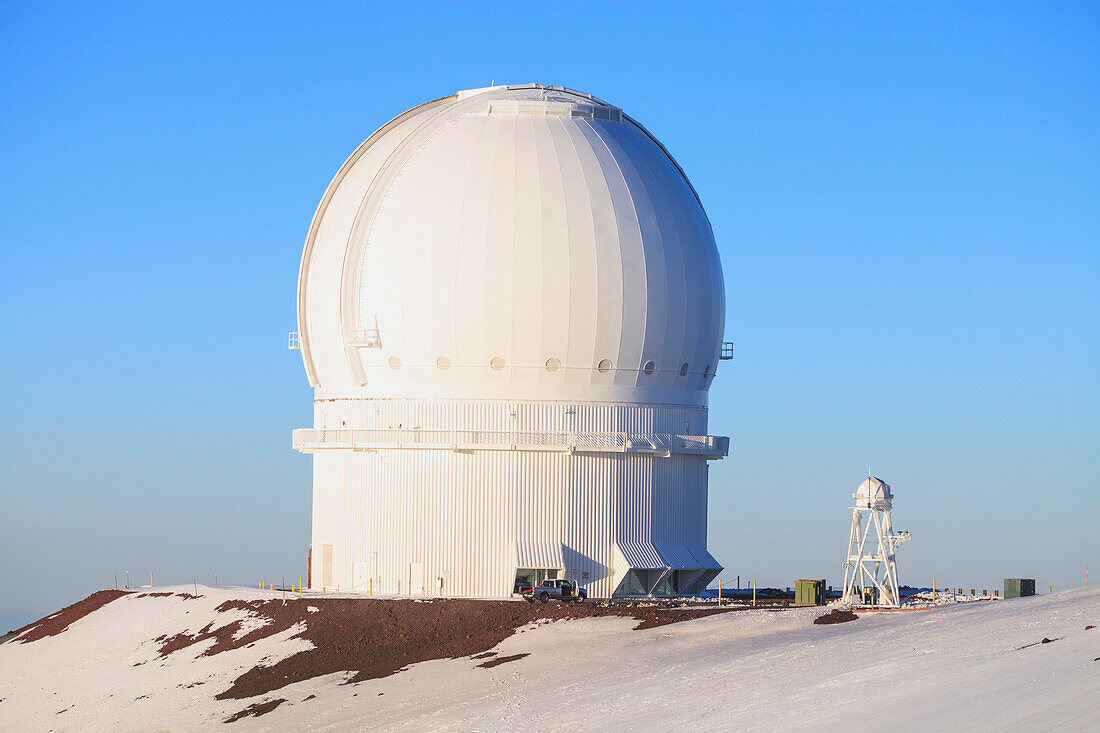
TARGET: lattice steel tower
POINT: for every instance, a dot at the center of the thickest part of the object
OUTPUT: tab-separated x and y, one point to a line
870	572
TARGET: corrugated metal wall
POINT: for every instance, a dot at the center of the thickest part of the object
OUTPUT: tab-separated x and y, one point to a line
460	514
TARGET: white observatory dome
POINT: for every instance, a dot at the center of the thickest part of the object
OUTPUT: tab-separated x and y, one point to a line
519	242
873	493
510	307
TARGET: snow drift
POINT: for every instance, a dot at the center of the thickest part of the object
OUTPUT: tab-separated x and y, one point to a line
177	660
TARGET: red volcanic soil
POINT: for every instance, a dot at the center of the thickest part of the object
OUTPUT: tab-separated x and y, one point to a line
367	638
255	710
375	638
58	622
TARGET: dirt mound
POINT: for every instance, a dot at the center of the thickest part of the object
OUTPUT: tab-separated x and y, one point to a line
374	638
836	616
58	622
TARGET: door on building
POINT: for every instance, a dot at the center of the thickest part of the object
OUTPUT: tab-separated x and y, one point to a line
416	579
326	565
530	577
360	577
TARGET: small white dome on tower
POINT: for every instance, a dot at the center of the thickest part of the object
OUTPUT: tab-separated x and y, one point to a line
873	493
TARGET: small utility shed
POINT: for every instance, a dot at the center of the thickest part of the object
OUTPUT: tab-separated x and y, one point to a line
1018	587
809	592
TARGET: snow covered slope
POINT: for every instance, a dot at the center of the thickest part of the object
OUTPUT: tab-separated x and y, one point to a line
977	666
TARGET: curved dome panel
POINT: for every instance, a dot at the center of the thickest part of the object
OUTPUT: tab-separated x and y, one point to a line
873	493
512	242
326	247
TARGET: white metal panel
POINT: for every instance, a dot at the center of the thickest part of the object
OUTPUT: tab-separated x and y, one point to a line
677	556
463	515
616	222
540	554
640	555
416	579
703	558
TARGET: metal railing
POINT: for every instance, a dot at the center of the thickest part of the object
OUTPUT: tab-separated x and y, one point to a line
711	446
370	338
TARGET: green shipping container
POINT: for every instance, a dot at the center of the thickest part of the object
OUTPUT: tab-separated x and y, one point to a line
1019	587
809	592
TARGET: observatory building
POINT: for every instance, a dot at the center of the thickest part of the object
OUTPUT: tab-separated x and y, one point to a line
510	307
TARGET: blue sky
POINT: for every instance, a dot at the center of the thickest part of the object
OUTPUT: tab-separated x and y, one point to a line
906	198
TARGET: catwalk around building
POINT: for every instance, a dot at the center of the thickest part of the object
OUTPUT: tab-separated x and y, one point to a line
510	307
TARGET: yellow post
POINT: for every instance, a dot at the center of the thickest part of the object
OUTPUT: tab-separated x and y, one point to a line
754	592
933	591
370	584
150	578
719	591
322	590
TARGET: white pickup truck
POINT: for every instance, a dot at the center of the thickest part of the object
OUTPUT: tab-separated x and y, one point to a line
562	590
